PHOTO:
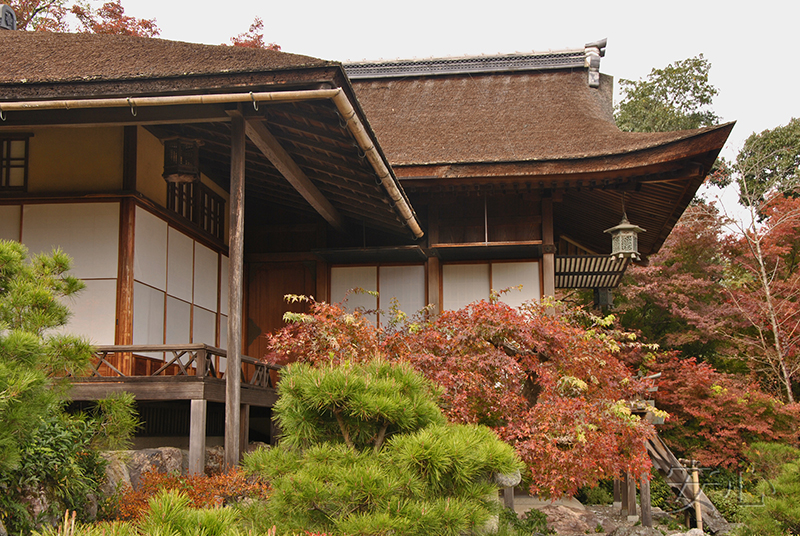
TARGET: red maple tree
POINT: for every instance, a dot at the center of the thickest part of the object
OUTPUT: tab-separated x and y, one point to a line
554	388
254	37
110	18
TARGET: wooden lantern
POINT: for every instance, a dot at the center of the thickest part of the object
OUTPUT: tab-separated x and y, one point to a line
181	160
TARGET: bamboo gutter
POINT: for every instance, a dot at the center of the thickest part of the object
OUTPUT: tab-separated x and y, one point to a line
339	98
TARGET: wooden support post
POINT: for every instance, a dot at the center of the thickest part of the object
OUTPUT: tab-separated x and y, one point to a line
508	497
698	510
124	331
434	284
630	483
235	295
244	433
433	264
548	249
623	488
617	495
197	437
644	501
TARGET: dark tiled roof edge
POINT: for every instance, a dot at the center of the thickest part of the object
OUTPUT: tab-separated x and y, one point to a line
474	64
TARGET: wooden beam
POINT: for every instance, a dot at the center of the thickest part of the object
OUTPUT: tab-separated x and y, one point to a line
235	294
118	116
272	149
169	388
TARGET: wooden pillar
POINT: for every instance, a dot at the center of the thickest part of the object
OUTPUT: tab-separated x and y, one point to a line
623	495
124	328
235	294
197	437
548	249
434	284
644	501
433	264
617	494
630	484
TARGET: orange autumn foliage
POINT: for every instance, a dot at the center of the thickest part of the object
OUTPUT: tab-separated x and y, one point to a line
204	491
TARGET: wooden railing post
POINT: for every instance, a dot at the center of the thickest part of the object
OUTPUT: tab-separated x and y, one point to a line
201	367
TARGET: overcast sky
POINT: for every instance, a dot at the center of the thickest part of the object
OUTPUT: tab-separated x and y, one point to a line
753	47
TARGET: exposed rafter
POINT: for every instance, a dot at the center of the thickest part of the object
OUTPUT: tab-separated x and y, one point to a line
272	149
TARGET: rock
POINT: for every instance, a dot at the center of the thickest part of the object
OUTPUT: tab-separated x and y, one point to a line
636	531
507	481
694	532
3	531
117	475
160	460
659	514
566	520
215	460
40	506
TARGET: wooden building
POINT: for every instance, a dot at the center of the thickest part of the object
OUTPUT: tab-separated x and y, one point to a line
194	186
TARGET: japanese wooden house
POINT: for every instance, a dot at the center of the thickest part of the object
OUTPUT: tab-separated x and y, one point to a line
194	186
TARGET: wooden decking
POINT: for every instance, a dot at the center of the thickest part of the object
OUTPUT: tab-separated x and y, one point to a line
192	372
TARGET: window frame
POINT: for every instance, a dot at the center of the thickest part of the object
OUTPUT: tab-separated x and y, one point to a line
6	161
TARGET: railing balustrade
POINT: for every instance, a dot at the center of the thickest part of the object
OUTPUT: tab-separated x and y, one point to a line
179	360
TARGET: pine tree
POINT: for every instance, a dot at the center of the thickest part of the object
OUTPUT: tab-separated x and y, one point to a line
31	307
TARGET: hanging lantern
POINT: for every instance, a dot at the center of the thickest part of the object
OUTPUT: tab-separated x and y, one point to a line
181	160
624	239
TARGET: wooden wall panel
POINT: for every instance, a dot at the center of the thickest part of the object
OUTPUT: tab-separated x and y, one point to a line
267	285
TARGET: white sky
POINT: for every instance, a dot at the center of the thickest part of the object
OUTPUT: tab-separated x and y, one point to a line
752	46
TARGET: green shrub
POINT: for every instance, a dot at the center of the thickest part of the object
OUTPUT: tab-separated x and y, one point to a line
532	522
727	503
599	494
58	462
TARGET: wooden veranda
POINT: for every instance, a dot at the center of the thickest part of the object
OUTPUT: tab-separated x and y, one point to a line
191	372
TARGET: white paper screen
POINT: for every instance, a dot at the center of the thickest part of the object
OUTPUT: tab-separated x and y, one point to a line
406	283
511	274
180	259
463	284
205	277
87	232
148	315
150	250
94	311
345	278
9	222
204	329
